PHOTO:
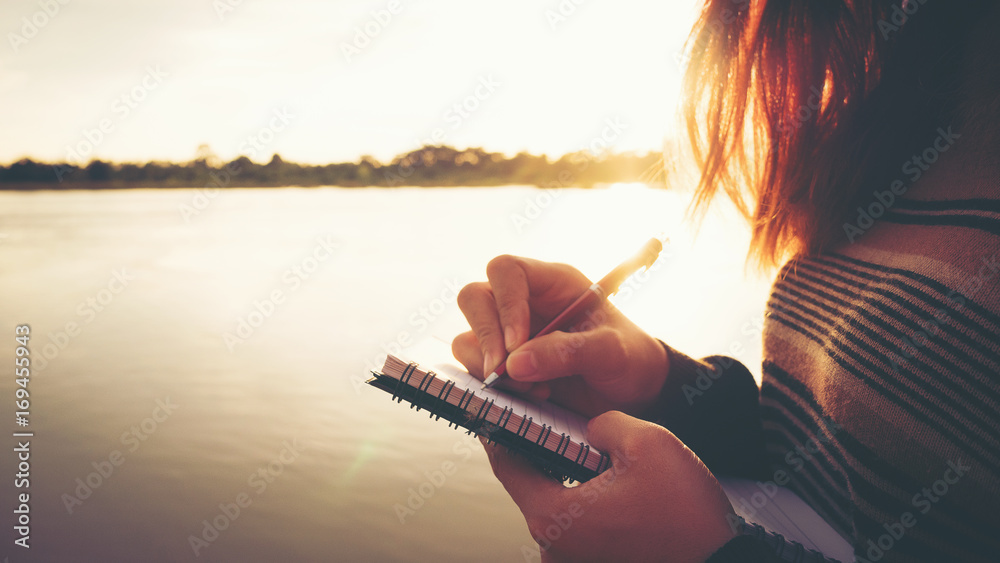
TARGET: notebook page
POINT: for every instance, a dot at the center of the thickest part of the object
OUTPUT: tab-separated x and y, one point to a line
786	514
436	356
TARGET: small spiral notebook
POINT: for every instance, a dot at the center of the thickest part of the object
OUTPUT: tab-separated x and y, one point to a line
552	437
546	434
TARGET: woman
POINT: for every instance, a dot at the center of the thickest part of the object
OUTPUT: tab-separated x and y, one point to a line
861	140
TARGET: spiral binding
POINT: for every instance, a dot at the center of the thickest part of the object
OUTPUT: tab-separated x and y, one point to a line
506	412
428	379
525	425
403	379
463	403
443	401
461	415
543	436
605	463
484	411
563	444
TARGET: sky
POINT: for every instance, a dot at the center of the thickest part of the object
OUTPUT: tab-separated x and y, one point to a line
331	81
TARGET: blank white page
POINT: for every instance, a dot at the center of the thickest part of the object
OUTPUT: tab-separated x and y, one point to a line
788	515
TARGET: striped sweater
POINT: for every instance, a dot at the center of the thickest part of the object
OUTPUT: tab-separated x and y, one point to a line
881	379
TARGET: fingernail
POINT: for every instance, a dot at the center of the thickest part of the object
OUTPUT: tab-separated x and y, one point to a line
488	364
508	337
522	363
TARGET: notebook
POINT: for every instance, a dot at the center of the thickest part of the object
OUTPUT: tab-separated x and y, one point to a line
553	438
546	434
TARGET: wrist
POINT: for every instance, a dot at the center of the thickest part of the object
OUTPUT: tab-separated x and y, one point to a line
652	381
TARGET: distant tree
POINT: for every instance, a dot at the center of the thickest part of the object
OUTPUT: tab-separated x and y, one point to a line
98	171
27	170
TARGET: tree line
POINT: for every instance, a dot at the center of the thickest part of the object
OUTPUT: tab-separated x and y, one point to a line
426	166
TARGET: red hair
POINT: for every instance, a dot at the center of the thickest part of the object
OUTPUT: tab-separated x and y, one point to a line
794	106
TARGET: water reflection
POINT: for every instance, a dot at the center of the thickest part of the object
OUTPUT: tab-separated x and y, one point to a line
295	378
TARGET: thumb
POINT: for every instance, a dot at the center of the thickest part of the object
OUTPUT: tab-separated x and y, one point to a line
626	439
592	353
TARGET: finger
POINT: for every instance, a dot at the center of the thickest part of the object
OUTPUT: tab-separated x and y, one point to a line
479	307
524	288
466	350
509	281
626	438
614	434
607	431
530	489
597	353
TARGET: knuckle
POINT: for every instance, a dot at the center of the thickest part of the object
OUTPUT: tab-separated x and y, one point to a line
487	335
647	438
613	344
567	272
462	343
566	269
501	264
469	295
508	309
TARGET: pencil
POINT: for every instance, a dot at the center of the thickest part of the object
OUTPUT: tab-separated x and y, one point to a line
594	295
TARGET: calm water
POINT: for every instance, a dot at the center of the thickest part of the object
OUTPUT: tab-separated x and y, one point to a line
147	389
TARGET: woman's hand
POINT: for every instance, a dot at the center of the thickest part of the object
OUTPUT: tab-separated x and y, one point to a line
605	363
658	502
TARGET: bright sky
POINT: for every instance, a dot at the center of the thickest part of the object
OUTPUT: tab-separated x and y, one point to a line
165	76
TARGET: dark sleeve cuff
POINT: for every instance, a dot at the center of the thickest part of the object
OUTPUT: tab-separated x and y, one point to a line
744	549
713	406
757	545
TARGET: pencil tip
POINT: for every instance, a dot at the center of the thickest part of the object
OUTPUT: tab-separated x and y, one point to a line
490	380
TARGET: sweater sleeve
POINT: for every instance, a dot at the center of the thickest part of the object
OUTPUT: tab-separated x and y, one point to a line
757	545
743	549
712	405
